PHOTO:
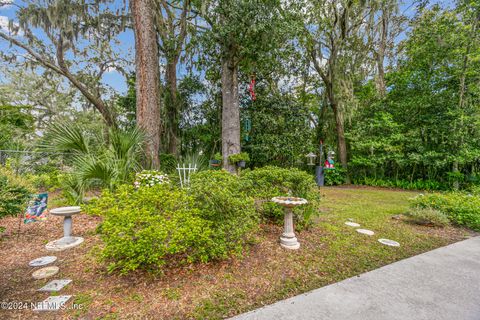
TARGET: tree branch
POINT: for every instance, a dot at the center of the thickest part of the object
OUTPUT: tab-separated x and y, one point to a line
44	61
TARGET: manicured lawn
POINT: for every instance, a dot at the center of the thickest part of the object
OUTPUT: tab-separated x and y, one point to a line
330	251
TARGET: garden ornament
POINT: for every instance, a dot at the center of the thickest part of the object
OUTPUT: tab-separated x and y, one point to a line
67	241
329	163
288	239
311	158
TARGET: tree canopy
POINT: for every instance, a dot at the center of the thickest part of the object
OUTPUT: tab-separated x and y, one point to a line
392	87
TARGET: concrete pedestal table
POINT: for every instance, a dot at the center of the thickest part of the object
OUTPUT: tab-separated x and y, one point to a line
288	239
67	241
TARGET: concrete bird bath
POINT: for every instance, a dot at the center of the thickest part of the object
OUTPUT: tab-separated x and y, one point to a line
288	239
67	241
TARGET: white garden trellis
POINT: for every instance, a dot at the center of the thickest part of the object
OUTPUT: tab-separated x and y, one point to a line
185	172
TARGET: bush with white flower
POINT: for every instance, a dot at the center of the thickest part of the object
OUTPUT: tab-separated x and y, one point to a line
149	178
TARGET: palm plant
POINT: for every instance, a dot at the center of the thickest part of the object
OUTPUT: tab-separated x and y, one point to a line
106	160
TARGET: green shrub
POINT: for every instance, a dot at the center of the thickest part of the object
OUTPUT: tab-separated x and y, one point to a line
428	185
268	182
231	212
148	227
474	189
428	216
45	181
73	188
461	208
15	192
145	228
335	177
237	157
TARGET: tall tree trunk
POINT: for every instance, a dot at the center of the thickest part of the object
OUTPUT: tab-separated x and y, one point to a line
380	56
338	113
456	183
172	106
148	77
230	112
341	143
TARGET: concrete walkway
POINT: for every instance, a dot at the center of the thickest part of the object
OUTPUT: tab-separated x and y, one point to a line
440	284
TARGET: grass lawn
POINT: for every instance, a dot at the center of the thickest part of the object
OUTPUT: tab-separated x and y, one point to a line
330	251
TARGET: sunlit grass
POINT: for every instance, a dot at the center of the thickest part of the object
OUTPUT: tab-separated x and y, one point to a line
332	251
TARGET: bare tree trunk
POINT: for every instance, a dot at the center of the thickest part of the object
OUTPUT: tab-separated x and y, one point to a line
342	145
380	56
341	142
456	183
230	113
172	107
148	77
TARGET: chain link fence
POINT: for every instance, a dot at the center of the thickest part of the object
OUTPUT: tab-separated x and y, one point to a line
34	162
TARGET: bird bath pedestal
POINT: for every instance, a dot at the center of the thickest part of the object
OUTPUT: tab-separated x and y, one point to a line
288	239
67	241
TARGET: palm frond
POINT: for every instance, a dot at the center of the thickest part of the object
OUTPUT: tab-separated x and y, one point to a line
74	188
114	160
65	137
126	144
90	167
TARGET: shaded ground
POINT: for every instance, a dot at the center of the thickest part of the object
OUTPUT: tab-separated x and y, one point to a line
330	251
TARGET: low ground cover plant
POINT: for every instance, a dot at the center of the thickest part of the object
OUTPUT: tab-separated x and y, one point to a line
428	216
268	182
461	208
429	185
149	178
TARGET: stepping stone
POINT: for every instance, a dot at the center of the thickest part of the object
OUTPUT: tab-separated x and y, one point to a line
365	231
42	261
52	303
63	243
352	224
55	285
389	242
45	272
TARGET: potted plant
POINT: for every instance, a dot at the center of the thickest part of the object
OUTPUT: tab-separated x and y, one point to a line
240	159
217	160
